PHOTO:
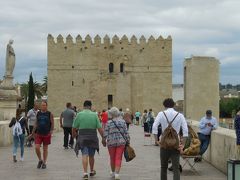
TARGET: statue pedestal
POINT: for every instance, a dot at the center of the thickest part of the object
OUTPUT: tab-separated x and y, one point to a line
7	83
8	103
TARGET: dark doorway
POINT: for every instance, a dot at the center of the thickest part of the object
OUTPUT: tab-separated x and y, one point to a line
111	67
121	67
110	101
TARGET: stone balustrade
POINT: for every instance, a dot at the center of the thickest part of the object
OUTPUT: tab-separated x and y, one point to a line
5	133
221	148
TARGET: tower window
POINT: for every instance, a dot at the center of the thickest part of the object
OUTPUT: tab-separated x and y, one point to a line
111	67
122	67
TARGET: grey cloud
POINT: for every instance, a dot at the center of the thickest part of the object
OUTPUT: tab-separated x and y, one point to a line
197	27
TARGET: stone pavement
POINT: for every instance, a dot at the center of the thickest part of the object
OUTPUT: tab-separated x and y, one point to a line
64	165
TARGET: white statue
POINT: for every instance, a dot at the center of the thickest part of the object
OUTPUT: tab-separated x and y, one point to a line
10	60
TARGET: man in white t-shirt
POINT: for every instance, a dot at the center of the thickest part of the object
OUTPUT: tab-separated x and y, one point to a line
169	115
32	116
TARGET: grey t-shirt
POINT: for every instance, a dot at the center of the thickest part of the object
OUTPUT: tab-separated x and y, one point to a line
68	116
32	116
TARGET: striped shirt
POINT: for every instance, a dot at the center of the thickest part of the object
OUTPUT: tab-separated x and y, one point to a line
112	134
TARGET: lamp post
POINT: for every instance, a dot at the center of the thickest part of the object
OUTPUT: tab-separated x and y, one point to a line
233	169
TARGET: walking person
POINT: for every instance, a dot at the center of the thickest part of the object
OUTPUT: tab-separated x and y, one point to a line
66	121
116	136
19	125
128	118
42	132
104	118
144	121
206	125
87	124
170	119
74	108
237	126
150	120
137	117
32	117
121	113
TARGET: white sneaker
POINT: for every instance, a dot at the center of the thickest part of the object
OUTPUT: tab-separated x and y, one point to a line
117	177
112	174
22	159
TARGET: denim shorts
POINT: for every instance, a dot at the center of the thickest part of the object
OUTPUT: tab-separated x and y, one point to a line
88	151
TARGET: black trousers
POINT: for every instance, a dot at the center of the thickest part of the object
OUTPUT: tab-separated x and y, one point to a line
174	155
146	127
30	131
128	126
159	132
67	133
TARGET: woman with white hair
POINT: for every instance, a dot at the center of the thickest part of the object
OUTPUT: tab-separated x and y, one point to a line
116	137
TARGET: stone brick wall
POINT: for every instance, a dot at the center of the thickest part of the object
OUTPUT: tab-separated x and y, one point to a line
201	86
79	70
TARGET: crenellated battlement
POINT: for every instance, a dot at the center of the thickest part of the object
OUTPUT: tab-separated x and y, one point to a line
109	70
106	40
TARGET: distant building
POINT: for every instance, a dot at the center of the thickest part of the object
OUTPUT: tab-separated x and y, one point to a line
178	96
229	93
178	92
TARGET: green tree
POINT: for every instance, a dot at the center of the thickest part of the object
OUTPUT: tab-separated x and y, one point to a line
228	107
31	93
37	89
229	86
238	87
24	92
44	85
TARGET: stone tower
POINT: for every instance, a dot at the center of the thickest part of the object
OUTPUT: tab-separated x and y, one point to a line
201	86
134	74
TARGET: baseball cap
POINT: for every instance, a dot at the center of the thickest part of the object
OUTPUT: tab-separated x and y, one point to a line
209	112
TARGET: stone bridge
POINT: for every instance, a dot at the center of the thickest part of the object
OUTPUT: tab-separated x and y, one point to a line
64	165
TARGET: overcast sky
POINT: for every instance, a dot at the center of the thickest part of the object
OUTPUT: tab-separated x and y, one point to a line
207	28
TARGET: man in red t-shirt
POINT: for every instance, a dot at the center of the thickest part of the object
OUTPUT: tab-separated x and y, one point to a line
104	117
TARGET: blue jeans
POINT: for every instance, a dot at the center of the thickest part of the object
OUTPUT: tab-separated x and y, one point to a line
150	125
205	139
87	151
18	140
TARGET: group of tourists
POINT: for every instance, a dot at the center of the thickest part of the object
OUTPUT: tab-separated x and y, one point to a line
82	126
174	137
112	125
39	125
113	132
169	117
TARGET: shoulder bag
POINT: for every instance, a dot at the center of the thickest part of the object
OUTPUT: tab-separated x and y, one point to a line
129	153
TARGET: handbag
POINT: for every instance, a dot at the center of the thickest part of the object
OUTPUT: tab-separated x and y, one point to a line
129	153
